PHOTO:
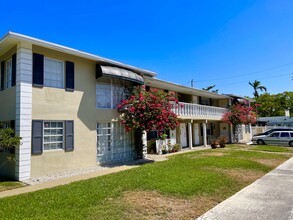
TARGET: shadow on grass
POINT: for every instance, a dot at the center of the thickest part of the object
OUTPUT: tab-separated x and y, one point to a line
128	163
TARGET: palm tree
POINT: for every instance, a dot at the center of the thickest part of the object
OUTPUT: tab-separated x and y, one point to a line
257	86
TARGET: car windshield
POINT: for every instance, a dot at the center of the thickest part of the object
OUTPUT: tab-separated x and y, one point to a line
268	132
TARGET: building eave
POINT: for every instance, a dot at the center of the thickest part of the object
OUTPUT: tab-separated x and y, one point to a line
184	89
71	51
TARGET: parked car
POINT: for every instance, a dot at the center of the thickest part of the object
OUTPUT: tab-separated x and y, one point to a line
274	129
284	138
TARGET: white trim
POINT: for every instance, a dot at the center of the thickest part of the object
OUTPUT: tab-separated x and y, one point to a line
63	72
23	116
59	135
162	84
72	51
112	88
6	77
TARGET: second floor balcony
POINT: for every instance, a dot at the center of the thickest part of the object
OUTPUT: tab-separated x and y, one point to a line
196	111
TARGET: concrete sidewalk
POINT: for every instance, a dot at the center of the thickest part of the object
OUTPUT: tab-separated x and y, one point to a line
64	181
269	198
108	170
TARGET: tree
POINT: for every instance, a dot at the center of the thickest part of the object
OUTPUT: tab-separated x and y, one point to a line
275	104
256	85
8	138
210	89
146	111
8	141
239	114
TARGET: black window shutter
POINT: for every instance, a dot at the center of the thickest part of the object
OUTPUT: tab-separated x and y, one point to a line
37	137
13	79
211	102
38	69
199	100
69	75
69	135
2	75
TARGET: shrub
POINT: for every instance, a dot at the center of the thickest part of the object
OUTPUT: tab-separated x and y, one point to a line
214	144
222	140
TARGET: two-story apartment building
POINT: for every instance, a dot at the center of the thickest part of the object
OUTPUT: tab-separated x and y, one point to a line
62	102
199	113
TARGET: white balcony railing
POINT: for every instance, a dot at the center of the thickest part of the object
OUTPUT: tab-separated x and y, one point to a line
198	111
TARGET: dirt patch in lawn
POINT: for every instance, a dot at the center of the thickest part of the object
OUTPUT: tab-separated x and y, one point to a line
272	162
240	175
214	154
153	206
209	154
243	175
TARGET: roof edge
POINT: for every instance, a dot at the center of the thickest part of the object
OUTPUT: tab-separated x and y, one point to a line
72	51
186	87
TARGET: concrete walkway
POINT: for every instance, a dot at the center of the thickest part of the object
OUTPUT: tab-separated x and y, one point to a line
269	198
108	170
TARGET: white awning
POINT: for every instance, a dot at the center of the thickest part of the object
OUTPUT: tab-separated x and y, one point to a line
118	73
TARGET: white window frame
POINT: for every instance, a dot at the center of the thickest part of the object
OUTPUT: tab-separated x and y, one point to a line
111	84
63	72
8	74
54	135
109	129
111	148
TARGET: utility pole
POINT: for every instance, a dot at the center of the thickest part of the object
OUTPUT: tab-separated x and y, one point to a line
192	81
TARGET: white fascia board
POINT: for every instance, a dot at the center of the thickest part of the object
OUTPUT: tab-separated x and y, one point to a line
187	89
72	51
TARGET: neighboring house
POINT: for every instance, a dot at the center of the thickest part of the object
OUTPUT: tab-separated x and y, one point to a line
279	121
62	102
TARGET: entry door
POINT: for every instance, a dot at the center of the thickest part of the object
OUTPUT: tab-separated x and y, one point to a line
224	129
183	135
196	133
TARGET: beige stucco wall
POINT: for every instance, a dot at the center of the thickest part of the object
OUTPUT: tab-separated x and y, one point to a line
7	96
80	106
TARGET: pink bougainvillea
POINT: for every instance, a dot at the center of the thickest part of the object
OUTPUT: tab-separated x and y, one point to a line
239	114
148	110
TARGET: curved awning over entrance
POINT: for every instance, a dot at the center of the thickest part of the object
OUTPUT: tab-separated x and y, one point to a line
116	72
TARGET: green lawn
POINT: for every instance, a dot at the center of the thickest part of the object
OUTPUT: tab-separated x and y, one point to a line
162	190
268	148
272	148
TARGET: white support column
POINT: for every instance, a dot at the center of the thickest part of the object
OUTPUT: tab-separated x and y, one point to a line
231	134
190	135
23	118
204	127
144	142
250	132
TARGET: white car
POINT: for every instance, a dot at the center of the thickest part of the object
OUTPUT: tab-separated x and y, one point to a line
284	138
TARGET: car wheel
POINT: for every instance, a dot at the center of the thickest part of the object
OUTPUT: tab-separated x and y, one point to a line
291	143
261	142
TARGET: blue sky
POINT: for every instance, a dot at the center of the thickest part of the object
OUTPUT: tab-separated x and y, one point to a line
223	42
